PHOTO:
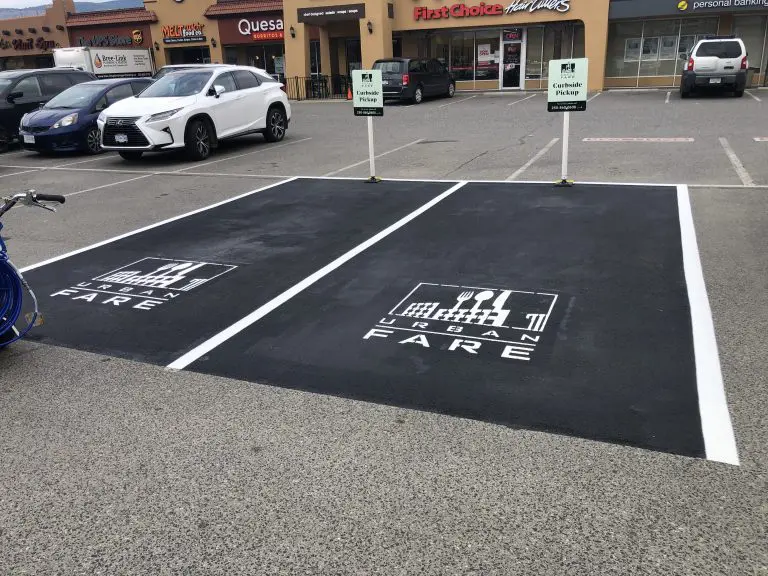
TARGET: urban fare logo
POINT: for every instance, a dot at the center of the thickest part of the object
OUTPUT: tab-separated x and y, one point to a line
146	284
508	324
483	9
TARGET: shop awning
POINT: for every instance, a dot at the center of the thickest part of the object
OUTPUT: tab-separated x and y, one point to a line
236	7
125	16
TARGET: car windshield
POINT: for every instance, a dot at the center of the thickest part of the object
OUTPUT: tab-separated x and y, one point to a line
163	72
720	49
389	67
78	96
178	84
4	83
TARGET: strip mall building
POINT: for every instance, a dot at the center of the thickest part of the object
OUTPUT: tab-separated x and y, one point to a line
487	45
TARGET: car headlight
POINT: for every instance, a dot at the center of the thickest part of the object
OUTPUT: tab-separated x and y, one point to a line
102	117
162	115
23	121
66	121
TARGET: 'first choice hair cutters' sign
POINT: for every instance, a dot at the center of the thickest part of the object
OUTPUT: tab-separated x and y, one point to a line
483	9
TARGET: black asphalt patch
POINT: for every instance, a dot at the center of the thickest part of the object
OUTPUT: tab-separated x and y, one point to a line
563	310
155	295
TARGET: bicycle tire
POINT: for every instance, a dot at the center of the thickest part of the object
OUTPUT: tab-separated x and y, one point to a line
12	285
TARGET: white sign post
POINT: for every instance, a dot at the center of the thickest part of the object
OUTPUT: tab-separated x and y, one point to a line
567	93
368	100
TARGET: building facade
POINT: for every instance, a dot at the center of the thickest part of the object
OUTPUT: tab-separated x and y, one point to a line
486	45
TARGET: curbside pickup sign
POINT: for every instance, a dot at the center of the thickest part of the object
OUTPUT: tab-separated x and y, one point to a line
567	85
367	93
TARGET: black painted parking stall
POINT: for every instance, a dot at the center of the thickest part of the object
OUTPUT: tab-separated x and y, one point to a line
154	295
563	310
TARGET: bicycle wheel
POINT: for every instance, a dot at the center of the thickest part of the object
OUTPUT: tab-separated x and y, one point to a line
15	321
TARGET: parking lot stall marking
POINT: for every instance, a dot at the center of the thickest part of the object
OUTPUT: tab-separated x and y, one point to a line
716	426
641	140
155	225
746	179
260	149
753	96
356	164
593	97
522	100
213	342
533	160
108	185
666	101
457	101
101	157
19	173
761	139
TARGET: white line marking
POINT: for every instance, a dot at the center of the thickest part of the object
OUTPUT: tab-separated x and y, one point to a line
530	162
667	99
656	140
260	149
101	157
18	173
151	226
457	101
593	97
107	185
761	139
377	156
753	96
522	100
716	427
256	315
746	179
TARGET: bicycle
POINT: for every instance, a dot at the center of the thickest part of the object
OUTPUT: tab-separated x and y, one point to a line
12	283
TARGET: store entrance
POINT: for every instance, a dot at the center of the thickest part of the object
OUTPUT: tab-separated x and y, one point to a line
512	58
195	55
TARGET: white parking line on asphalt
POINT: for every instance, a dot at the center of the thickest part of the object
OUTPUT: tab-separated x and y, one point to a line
593	97
18	173
521	100
716	426
259	313
753	96
457	101
530	162
761	139
356	164
260	149
108	185
101	157
668	95
746	179
655	140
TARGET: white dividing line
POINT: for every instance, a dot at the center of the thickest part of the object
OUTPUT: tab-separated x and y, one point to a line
530	162
260	149
667	99
655	140
107	185
746	179
593	97
151	226
753	96
18	173
457	101
716	427
377	156
761	139
102	157
256	315
522	100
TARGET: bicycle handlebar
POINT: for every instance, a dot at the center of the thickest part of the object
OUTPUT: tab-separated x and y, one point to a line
50	198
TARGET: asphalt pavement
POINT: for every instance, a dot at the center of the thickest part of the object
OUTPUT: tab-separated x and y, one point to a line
111	466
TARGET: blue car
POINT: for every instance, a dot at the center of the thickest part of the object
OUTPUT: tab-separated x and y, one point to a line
67	122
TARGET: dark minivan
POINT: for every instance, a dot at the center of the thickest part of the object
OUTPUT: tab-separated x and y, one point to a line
22	91
415	78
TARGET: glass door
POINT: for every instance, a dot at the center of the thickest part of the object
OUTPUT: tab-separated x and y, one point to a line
511	58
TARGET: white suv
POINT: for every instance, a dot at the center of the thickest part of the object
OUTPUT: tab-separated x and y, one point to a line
716	62
194	110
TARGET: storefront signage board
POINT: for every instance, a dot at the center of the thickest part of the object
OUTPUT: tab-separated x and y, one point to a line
567	85
329	13
183	33
648	8
367	93
462	10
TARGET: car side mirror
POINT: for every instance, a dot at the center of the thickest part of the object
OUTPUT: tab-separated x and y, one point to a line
14	95
219	90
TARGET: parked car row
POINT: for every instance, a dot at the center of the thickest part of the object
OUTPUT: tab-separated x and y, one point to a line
193	107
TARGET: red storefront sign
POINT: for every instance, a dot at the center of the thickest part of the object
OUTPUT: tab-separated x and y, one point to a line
268	35
457	11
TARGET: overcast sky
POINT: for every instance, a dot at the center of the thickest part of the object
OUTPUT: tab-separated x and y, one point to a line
27	3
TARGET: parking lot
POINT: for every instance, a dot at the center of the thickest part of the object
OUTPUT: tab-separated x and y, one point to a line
461	369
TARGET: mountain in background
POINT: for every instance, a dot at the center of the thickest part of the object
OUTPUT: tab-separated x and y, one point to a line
8	13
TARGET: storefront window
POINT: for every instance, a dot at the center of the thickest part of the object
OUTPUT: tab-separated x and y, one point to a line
659	54
462	55
752	30
533	55
624	49
440	48
487	55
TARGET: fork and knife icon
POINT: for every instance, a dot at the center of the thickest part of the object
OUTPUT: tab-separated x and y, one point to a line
481	297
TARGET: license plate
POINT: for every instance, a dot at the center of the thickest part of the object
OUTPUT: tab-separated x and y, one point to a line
385	82
29	139
121	138
715	80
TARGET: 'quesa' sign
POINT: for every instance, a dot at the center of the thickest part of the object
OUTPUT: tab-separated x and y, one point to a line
248	27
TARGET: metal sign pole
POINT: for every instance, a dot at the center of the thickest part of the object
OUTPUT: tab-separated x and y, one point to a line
566	134
371	156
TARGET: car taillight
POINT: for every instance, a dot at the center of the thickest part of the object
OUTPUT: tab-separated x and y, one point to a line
690	64
744	63
405	79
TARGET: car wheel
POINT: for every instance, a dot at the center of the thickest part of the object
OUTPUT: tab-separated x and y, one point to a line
131	155
197	140
418	95
93	141
451	89
276	124
738	93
